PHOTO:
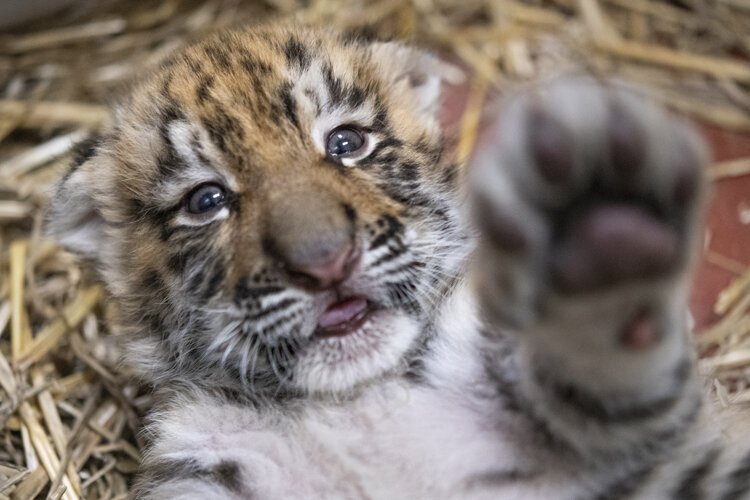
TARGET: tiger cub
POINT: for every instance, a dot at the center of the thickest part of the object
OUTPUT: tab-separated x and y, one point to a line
329	307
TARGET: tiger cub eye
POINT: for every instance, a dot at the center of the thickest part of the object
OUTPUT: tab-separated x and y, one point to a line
344	141
205	198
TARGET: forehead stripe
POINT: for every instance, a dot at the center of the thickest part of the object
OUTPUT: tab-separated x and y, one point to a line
290	104
297	55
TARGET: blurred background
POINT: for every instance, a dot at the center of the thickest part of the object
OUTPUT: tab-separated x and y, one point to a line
69	413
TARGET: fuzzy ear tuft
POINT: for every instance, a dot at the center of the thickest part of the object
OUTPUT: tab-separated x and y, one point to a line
74	217
417	72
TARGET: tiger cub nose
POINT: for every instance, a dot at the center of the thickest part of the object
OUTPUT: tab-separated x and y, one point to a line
311	233
326	273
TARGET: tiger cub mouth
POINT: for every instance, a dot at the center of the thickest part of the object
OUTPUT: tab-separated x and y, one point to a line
343	317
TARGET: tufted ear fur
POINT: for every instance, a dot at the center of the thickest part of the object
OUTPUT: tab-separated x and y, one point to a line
417	73
74	217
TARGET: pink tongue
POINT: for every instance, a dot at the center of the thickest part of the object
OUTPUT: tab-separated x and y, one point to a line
342	312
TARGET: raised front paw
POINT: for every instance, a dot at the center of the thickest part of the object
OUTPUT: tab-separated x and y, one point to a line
583	188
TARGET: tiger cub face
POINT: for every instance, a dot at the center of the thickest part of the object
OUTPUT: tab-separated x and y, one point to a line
271	212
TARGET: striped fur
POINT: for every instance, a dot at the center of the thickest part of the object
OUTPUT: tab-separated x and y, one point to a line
489	366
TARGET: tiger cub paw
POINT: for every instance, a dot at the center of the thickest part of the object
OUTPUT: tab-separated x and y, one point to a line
582	190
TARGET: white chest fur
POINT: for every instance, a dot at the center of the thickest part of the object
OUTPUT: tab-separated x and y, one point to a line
448	438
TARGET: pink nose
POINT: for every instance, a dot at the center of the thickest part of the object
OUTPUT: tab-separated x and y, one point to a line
327	272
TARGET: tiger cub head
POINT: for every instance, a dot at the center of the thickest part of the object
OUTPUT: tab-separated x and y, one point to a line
271	212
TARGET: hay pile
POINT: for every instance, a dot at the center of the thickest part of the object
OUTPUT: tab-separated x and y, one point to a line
69	415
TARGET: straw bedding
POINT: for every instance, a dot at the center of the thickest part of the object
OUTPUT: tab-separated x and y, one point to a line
69	413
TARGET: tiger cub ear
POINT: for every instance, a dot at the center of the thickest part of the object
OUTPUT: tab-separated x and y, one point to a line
74	217
416	72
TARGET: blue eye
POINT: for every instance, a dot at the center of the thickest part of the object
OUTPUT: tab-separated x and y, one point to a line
205	198
344	141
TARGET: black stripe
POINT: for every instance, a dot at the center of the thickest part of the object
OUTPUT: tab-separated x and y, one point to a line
408	268
226	474
380	147
380	122
356	96
144	211
415	364
169	162
176	262
244	292
626	486
204	87
361	35
656	442
738	480
254	67
350	212
402	294
216	278
283	304
334	84
449	175
407	195
223	127
193	64
389	158
83	151
289	103
342	93
152	281
501	478
394	253
153	322
219	55
196	281
392	225
690	485
595	408
408	171
166	470
296	54
291	346
283	321
504	376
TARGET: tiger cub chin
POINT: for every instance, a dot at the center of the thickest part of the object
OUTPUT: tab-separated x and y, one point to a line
329	307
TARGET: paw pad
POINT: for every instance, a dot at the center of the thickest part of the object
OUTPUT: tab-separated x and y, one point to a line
551	147
613	243
641	332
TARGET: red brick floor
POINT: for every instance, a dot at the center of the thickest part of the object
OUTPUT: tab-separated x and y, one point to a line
729	237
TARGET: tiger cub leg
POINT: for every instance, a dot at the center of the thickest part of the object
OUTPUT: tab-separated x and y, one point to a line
588	200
